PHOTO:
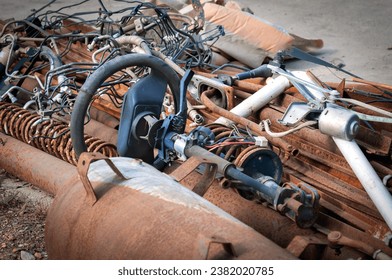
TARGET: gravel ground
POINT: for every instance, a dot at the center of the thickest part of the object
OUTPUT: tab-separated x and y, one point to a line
22	220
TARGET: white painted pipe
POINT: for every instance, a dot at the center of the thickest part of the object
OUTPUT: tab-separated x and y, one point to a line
369	179
304	76
259	99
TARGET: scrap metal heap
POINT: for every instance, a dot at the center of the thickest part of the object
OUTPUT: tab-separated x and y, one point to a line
192	151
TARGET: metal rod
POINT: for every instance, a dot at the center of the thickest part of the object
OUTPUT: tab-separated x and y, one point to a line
258	100
369	179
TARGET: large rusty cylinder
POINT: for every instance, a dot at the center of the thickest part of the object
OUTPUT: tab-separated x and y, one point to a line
147	216
52	175
48	135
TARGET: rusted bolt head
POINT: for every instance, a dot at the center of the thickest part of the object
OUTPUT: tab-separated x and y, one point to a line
334	236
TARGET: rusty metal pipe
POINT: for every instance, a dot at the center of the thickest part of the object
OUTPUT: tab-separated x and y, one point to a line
103	117
263	219
34	166
101	131
145	215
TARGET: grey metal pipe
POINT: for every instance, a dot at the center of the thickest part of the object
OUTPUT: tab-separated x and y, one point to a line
134	40
55	62
369	179
258	100
50	56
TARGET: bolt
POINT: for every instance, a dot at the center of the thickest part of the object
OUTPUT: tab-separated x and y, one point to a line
354	127
334	236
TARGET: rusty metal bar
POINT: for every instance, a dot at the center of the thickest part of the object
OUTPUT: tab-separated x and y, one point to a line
242	121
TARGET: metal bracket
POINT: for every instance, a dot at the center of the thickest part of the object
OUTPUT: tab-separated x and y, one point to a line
204	246
189	166
296	112
299	243
83	167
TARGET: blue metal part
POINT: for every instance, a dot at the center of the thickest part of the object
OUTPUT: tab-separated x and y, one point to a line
172	125
145	96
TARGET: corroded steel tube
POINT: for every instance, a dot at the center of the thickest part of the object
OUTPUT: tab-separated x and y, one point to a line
101	131
263	219
147	216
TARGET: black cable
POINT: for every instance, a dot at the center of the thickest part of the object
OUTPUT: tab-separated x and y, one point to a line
40	9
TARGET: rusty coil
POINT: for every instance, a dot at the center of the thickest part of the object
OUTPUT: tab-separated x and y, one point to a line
50	136
255	160
230	152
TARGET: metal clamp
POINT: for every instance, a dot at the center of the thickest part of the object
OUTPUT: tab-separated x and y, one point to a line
205	244
83	167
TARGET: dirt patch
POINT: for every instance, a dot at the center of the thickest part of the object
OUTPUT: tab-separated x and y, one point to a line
22	221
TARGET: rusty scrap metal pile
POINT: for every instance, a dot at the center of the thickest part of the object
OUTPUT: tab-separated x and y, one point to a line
175	134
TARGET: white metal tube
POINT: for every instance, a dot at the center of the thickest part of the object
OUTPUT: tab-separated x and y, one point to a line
304	76
259	99
369	179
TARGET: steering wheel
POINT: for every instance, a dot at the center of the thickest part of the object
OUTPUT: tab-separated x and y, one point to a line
144	98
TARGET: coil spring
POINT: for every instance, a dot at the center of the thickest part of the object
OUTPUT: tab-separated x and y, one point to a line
52	137
233	153
254	159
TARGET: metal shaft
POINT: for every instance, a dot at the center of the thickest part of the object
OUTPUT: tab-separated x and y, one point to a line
229	170
369	179
258	100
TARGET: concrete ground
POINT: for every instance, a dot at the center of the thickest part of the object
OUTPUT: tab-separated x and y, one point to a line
357	33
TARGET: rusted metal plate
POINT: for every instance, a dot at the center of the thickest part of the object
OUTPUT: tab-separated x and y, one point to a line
299	244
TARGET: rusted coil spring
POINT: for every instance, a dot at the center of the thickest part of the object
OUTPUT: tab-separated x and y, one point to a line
254	159
236	153
52	137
